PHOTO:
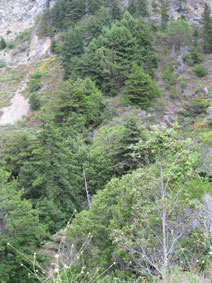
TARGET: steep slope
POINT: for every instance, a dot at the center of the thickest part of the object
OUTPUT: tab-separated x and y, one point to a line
18	28
16	111
18	15
191	9
95	132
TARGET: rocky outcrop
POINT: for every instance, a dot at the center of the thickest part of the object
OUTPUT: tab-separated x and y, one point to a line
191	9
18	15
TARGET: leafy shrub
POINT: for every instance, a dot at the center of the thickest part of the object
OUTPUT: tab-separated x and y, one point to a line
200	71
168	76
24	36
197	105
34	101
45	27
196	188
22	48
159	105
35	83
10	45
2	44
53	46
174	93
2	64
181	276
154	5
183	85
179	33
196	56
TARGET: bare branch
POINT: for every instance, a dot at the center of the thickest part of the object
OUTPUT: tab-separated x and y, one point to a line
86	189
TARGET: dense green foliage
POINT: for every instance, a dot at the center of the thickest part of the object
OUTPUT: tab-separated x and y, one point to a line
3	44
79	105
118	199
117	213
207	30
53	175
108	58
140	89
164	14
19	228
179	33
138	8
35	102
35	83
200	71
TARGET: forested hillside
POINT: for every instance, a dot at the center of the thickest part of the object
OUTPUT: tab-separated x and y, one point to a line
106	143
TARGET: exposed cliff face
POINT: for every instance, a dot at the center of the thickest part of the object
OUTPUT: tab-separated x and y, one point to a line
18	15
15	17
191	9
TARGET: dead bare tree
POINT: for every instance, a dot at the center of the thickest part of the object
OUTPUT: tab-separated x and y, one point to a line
152	246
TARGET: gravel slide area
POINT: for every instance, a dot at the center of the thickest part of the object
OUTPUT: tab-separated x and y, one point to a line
18	109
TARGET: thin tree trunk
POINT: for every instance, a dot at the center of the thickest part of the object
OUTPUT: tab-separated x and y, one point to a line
163	218
86	189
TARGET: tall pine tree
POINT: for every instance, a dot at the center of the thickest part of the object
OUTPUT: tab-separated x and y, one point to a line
21	232
207	29
53	174
164	14
139	88
122	151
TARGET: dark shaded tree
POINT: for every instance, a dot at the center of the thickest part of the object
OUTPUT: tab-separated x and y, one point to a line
53	174
21	233
116	11
139	88
123	160
94	5
3	44
138	8
207	29
78	105
164	14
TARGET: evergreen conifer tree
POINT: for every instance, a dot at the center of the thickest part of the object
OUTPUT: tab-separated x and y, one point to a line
139	88
207	29
94	5
116	11
164	14
53	174
81	101
34	101
138	8
3	44
72	46
122	152
20	232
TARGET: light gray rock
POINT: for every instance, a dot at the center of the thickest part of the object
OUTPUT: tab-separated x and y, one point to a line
15	17
191	9
206	90
18	15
